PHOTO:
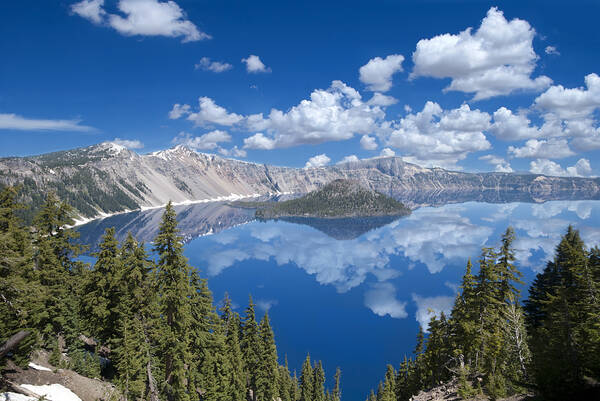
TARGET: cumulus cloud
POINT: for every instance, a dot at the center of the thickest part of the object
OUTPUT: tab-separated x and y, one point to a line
334	114
500	165
543	149
129	143
235	152
16	122
348	159
435	137
552	50
207	141
571	103
512	127
317	161
547	167
379	99
142	17
208	113
377	73
497	59
368	142
387	152
427	307
381	299
90	9
255	65
207	64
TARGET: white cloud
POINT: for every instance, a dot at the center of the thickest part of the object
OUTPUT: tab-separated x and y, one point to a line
434	137
266	304
381	299
387	152
259	141
571	103
547	167
207	141
208	113
512	127
368	142
497	59
500	165
235	152
129	143
16	122
427	307
317	161
142	17
552	50
379	99
207	64
90	9
255	65
179	110
541	149
334	114
377	73
348	159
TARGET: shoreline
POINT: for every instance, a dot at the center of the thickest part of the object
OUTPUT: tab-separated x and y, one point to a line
224	198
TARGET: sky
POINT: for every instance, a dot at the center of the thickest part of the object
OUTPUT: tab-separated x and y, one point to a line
507	86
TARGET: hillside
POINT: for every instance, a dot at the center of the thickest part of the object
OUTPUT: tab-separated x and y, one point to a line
339	199
108	178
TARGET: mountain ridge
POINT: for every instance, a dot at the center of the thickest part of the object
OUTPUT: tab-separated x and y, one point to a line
108	178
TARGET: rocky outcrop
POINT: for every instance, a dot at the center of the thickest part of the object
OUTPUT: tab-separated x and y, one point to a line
108	178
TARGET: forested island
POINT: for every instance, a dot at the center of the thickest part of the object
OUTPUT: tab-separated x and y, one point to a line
339	199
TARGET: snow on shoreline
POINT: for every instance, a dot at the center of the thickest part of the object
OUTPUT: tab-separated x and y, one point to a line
233	197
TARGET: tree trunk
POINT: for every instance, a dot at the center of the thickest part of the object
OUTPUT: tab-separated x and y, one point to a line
13	342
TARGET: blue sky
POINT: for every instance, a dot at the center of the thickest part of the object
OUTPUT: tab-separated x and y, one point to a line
469	85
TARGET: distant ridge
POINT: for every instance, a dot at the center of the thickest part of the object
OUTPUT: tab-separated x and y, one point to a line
108	178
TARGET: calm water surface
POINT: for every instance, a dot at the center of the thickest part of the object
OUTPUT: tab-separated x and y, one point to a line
353	293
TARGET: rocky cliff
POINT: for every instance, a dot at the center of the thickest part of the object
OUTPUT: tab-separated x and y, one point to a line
108	178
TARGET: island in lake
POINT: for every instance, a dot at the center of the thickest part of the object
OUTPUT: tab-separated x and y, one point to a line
340	198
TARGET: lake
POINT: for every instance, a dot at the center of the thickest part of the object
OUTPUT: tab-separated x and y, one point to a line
353	292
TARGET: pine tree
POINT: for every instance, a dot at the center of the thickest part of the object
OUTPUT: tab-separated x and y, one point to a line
307	390
20	292
174	288
318	382
237	378
266	375
102	304
57	271
389	385
336	394
251	348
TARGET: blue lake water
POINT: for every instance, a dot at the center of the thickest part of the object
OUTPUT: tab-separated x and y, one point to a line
354	293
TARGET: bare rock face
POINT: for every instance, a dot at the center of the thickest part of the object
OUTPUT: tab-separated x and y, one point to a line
108	178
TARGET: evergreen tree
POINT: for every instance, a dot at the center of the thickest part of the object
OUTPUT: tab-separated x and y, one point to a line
266	375
318	382
251	348
307	390
174	288
336	394
237	378
20	292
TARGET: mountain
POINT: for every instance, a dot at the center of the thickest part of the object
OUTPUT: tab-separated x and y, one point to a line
340	198
108	178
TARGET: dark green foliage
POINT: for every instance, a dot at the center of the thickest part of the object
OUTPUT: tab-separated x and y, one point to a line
563	318
340	198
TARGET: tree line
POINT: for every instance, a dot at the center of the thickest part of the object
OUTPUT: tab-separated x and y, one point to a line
496	345
146	322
